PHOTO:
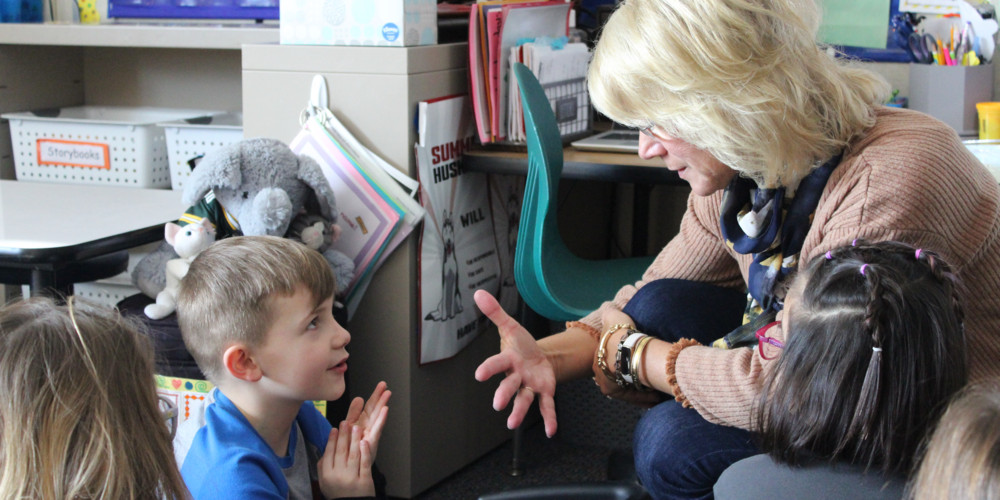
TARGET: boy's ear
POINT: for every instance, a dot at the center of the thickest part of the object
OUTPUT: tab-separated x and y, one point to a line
240	364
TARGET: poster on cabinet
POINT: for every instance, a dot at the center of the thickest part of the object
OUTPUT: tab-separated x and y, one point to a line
457	251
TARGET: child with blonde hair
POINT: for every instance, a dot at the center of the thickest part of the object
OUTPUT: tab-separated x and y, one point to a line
256	312
963	456
79	415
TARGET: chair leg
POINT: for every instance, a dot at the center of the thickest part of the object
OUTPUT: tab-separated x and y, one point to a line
516	462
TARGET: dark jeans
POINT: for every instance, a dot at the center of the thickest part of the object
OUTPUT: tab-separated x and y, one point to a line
678	454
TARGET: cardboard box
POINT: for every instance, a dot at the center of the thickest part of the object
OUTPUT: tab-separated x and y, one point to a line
395	23
950	93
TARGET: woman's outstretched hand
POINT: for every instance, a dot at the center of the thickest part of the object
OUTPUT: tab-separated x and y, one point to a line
528	373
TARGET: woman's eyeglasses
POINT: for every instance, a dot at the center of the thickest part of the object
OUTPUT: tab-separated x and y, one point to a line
764	339
655	132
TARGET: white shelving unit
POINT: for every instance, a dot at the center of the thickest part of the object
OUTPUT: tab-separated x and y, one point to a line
171	65
161	35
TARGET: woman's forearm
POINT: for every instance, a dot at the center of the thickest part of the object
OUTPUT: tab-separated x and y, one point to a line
570	352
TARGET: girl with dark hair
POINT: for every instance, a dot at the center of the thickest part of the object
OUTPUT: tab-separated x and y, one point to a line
875	350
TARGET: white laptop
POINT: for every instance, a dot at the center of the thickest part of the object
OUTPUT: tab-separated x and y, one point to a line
620	140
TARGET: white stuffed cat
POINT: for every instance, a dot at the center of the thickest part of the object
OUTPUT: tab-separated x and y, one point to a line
188	241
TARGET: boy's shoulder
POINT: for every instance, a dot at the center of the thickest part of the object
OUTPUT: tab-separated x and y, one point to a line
229	459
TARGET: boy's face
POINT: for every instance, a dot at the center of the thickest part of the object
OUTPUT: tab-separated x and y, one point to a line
304	354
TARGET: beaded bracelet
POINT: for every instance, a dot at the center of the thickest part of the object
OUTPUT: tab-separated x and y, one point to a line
602	353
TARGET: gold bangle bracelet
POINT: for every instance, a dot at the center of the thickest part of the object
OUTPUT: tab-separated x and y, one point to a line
602	352
640	349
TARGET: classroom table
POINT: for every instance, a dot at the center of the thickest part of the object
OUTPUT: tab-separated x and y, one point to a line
626	168
47	226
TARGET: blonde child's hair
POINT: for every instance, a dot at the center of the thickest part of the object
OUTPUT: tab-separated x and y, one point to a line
741	79
962	459
225	295
79	414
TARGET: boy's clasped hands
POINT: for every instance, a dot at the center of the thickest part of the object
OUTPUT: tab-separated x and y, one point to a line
345	469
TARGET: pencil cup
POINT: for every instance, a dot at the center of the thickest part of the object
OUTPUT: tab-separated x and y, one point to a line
950	93
989	120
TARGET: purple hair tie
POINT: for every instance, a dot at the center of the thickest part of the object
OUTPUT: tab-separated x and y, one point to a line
854	243
863	266
918	253
828	255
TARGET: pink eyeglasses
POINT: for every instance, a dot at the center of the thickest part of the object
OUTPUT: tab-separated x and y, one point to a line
764	339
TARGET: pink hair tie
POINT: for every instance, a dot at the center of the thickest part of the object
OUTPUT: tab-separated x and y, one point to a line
918	253
828	255
863	266
854	243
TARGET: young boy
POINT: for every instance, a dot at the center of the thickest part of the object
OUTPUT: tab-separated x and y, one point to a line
256	312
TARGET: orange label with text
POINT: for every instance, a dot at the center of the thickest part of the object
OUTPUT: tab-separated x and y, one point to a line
73	153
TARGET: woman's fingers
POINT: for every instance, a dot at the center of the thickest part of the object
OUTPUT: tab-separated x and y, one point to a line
497	363
547	407
507	389
522	402
492	310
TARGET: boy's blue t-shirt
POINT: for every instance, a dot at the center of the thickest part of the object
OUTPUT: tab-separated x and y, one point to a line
229	459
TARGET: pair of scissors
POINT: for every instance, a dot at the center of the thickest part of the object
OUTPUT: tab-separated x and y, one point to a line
922	47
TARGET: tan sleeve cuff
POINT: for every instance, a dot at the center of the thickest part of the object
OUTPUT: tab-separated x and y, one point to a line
671	365
594	333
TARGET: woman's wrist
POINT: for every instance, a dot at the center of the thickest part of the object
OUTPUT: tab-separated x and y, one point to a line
571	353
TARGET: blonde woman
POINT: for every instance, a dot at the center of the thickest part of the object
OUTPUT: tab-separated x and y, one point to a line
962	459
79	415
789	154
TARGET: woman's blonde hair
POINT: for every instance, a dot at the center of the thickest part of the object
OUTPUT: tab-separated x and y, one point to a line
744	80
79	414
963	456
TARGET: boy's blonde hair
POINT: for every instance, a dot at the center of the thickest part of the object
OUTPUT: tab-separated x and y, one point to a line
741	79
225	295
79	415
962	459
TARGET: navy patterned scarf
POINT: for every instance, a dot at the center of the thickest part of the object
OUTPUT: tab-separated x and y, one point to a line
764	223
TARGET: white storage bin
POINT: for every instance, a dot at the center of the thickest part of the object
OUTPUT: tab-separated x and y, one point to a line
94	145
107	294
188	140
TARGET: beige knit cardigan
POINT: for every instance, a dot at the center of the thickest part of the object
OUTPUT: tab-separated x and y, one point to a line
909	178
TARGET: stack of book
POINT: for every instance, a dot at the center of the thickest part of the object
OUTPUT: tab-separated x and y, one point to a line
502	32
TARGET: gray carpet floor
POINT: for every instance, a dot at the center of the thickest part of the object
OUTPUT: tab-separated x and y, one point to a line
546	461
591	428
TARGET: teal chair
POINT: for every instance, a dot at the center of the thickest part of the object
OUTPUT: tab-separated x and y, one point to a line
552	281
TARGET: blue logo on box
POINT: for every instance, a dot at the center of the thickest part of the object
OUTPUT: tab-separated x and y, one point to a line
390	32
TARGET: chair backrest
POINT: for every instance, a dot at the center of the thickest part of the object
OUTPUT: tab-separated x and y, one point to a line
538	231
553	281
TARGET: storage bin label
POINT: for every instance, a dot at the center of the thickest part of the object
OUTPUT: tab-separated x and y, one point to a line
73	153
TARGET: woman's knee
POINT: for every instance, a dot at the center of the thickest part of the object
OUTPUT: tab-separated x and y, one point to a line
678	454
673	308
